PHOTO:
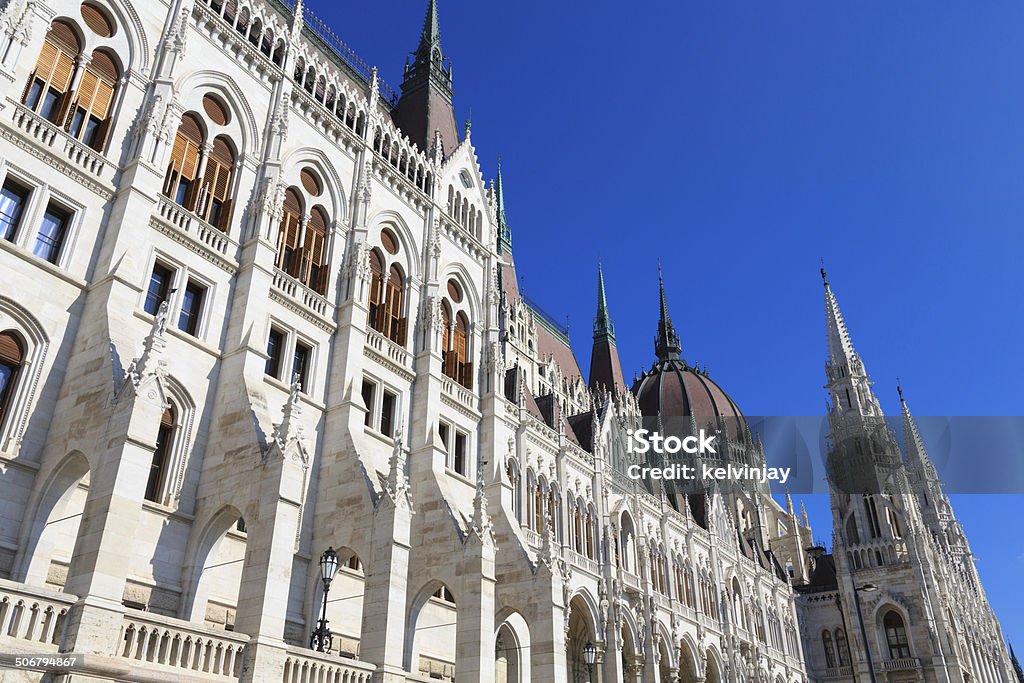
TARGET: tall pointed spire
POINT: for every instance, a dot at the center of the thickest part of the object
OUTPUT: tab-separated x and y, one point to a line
605	367
923	475
603	326
667	344
430	37
426	102
504	232
840	347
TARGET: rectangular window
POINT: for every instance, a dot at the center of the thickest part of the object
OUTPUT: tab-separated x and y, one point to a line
387	413
459	460
159	286
32	99
300	366
13	198
51	234
443	431
191	308
275	348
50	100
368	391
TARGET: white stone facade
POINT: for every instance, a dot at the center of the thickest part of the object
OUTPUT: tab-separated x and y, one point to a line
480	541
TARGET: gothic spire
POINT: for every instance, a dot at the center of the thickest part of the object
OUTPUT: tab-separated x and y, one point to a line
426	102
605	367
840	348
603	326
504	232
667	345
430	37
920	467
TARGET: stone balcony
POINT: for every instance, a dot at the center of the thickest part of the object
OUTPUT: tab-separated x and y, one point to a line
193	232
302	299
389	354
838	672
459	396
303	666
65	153
901	664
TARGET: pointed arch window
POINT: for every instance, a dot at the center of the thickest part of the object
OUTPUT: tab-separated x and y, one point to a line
288	256
155	485
896	635
214	205
456	351
393	320
12	358
830	653
842	648
376	314
180	182
89	113
313	272
49	86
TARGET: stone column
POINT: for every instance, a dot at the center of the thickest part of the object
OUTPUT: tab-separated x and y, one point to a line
266	575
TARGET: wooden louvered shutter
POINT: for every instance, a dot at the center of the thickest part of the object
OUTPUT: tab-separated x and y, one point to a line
10	349
316	232
217	181
394	303
288	234
376	290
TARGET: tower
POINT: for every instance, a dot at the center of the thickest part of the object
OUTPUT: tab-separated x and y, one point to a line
605	368
910	605
425	105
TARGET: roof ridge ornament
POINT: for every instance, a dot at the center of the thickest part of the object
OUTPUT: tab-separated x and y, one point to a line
666	345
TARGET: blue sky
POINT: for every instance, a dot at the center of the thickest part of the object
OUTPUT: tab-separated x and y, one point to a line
741	143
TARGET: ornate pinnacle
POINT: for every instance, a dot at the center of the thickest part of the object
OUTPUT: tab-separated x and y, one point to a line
667	344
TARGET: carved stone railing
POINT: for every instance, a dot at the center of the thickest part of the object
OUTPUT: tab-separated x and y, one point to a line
302	666
384	347
838	672
532	537
53	137
187	228
32	618
458	393
900	664
153	640
630	579
879	553
584	563
301	295
437	669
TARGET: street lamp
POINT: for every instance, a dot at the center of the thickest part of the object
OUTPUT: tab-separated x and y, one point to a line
321	639
866	588
590	656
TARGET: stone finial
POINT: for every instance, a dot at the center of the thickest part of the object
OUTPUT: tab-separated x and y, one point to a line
481	526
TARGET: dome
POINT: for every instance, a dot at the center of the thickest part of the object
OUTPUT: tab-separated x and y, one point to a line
672	388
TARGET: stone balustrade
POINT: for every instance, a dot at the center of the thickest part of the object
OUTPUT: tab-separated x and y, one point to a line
155	641
305	666
60	143
32	618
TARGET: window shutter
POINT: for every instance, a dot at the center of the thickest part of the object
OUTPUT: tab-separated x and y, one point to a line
47	60
168	418
10	349
101	134
63	67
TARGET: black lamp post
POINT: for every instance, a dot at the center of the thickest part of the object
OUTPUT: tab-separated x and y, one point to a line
321	639
590	656
866	588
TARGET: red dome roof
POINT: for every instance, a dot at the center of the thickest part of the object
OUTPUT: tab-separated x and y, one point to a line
673	389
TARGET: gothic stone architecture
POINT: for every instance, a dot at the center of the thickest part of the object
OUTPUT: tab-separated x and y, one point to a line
900	593
255	305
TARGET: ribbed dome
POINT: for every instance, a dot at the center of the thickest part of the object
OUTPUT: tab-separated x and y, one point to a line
671	388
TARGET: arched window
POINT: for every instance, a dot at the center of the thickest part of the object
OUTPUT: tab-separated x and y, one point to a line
830	653
513	476
12	356
538	508
288	257
89	113
161	455
842	648
376	315
314	274
456	363
49	86
214	204
896	635
394	321
182	171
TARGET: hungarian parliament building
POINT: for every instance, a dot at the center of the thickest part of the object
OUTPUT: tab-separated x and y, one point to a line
273	407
